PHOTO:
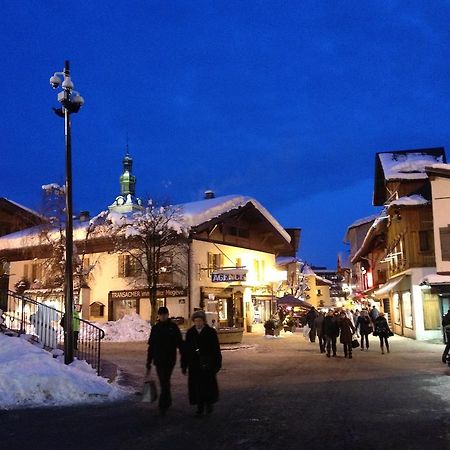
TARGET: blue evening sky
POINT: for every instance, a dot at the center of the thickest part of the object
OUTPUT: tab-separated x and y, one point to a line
285	101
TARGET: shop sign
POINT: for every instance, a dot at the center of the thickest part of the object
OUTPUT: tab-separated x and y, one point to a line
220	276
145	293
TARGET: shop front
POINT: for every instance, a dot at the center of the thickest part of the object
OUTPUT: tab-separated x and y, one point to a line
126	302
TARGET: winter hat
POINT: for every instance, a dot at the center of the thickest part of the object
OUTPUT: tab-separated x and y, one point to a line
163	310
200	314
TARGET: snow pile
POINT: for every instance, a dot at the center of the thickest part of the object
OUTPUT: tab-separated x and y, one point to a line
30	376
409	201
130	328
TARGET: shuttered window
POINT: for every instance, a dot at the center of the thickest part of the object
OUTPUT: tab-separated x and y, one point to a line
445	243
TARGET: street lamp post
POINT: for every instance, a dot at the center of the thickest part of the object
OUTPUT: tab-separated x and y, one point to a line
71	102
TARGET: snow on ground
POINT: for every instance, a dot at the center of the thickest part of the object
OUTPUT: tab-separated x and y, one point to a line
130	328
30	376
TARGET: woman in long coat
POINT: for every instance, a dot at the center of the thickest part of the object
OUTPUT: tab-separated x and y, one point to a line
202	359
346	331
383	331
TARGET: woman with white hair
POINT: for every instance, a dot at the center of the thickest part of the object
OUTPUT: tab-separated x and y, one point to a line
202	359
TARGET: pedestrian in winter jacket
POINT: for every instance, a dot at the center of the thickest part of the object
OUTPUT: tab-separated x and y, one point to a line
330	330
383	331
364	325
202	360
318	322
346	329
310	317
165	338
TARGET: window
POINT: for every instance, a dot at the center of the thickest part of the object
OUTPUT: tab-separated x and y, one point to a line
215	261
128	266
445	243
256	269
319	292
239	232
407	309
431	312
424	241
32	272
396	302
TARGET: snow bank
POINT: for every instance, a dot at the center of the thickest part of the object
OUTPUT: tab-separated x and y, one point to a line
30	376
130	328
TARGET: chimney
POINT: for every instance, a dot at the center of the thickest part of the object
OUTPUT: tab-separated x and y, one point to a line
84	215
209	194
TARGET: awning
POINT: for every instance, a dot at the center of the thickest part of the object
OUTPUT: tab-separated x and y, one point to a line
389	286
436	279
293	301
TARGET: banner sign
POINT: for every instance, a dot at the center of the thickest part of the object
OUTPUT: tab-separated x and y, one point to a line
145	293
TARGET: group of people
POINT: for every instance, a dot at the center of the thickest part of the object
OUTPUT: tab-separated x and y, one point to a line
347	325
201	359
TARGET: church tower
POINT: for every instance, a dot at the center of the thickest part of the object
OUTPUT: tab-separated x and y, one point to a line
127	200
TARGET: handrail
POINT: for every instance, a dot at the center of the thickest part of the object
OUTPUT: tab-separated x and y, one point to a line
27	316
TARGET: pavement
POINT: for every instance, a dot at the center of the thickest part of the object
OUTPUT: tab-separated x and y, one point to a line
278	393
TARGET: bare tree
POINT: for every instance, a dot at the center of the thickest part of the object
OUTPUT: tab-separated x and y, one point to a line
155	240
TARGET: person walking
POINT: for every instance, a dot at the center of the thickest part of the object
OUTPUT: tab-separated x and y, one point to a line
310	317
202	359
330	331
346	329
364	325
446	325
165	338
383	331
318	322
373	314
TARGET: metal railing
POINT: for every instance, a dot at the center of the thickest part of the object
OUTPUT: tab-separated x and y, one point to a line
41	321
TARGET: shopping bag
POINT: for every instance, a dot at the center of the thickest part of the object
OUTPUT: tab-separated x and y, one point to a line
150	394
355	343
306	331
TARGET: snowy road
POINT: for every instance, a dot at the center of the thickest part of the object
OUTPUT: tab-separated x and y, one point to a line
278	394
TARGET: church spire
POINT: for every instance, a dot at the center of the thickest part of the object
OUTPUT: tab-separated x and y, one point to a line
127	200
127	180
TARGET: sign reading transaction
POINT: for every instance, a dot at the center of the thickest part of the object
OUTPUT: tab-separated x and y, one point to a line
220	276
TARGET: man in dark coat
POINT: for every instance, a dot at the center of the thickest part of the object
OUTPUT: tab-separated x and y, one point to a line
310	317
203	359
318	322
346	329
330	330
165	338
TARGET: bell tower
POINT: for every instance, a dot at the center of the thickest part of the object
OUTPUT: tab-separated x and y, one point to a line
127	200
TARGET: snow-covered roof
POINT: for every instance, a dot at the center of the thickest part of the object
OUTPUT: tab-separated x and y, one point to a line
197	213
436	279
363	221
440	166
283	260
412	200
193	214
376	228
29	210
407	166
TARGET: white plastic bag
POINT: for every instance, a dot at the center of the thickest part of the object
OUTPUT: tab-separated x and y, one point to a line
306	331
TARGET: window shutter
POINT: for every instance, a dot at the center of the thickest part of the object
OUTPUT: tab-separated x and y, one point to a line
121	266
445	243
25	271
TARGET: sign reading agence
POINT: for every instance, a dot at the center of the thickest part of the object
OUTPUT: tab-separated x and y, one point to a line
228	276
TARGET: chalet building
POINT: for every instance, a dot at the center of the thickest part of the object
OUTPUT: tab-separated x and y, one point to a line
13	217
439	283
304	283
228	266
392	253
